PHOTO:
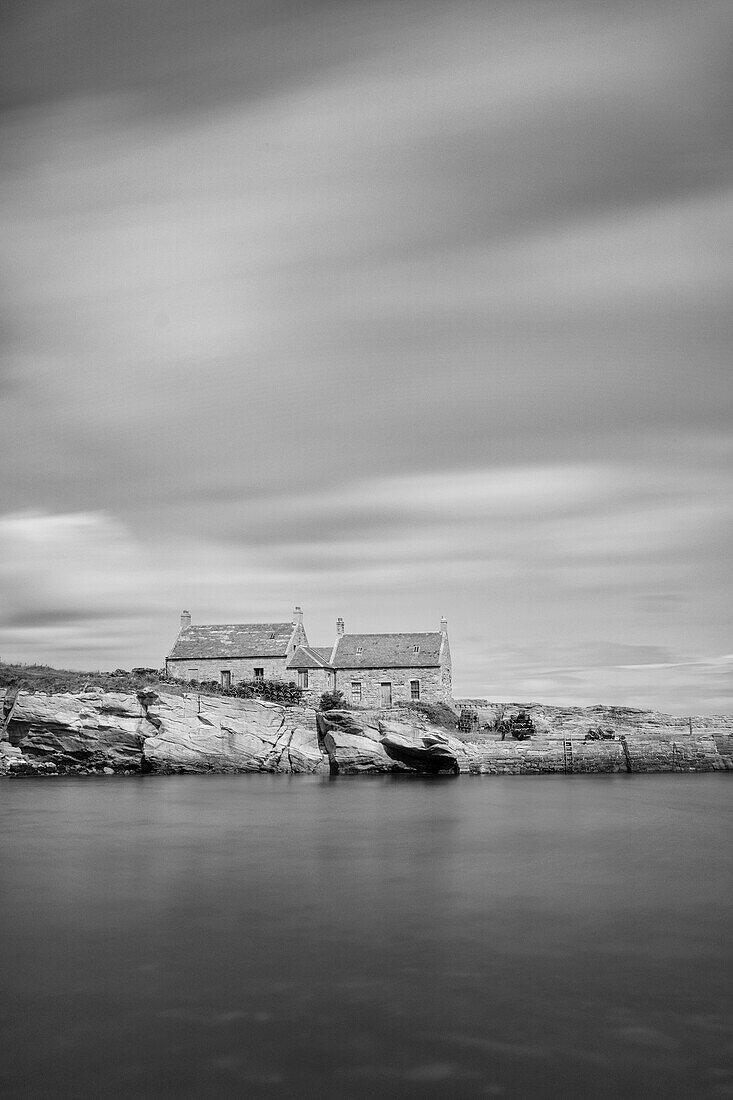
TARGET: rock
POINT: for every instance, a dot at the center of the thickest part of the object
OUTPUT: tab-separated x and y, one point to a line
353	741
102	733
105	733
421	734
89	729
194	733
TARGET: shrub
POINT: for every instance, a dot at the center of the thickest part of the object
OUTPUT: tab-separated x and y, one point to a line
332	700
274	691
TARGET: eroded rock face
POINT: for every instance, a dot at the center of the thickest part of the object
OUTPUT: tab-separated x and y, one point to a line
195	733
107	732
353	741
111	733
92	729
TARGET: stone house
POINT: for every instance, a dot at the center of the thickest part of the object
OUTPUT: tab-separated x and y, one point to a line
372	670
377	670
235	651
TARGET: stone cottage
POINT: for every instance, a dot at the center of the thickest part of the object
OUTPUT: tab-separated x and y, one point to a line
377	670
372	670
236	651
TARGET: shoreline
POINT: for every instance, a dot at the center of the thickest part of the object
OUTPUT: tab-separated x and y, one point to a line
149	732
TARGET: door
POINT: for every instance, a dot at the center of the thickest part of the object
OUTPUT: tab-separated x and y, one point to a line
386	694
226	678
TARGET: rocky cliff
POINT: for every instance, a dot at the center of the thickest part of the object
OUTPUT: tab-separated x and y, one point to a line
100	732
151	732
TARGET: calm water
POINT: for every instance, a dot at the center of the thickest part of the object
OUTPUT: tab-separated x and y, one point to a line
301	937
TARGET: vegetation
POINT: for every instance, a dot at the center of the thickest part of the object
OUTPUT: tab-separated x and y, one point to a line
274	691
34	677
332	700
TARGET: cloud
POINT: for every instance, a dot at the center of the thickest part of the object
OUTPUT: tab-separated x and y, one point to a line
386	309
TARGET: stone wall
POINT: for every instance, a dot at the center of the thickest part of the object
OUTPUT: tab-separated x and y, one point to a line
210	668
431	682
640	755
318	681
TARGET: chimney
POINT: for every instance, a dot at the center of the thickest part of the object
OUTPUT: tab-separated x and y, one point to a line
340	628
444	625
185	620
298	616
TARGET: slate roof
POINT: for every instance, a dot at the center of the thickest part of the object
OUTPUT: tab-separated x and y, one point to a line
233	640
388	650
309	656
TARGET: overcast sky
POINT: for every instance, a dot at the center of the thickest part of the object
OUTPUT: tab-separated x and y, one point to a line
393	310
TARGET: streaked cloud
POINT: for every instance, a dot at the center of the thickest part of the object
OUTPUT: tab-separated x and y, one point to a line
372	308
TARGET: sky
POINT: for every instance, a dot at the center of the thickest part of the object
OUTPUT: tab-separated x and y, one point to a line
392	311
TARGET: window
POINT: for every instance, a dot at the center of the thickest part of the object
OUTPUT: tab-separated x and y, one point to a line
193	674
355	691
226	678
303	677
416	649
272	635
414	689
259	674
359	649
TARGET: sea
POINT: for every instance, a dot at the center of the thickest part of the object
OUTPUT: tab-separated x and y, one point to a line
372	936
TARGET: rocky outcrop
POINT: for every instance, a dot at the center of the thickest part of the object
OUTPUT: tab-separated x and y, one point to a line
353	741
554	721
109	733
89	730
196	733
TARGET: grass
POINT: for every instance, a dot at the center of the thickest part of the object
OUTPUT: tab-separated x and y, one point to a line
53	681
35	677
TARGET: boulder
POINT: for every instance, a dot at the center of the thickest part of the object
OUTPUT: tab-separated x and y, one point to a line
353	740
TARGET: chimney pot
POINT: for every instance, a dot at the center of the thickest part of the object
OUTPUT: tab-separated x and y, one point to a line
444	625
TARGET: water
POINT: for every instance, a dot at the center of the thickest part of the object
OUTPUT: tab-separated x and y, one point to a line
203	936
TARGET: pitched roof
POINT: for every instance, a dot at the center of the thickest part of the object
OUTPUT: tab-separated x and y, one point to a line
310	656
233	640
388	650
